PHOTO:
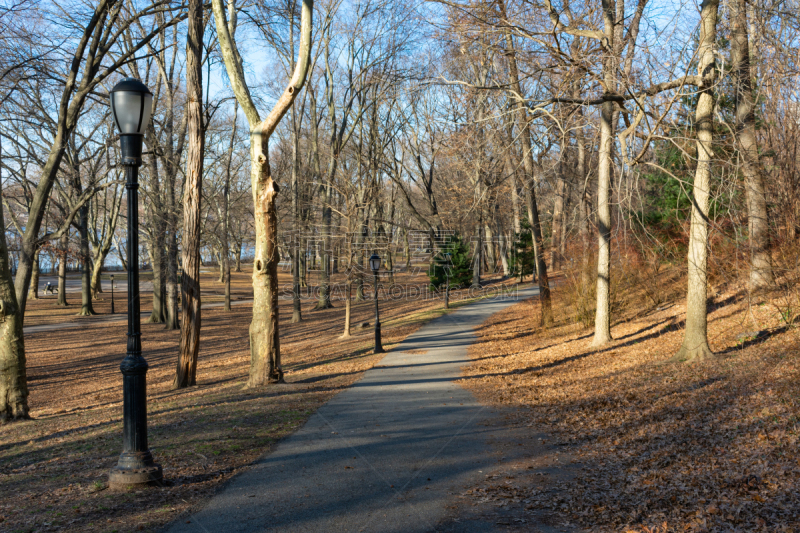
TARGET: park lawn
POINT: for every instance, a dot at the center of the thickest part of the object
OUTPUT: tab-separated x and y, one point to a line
620	440
54	468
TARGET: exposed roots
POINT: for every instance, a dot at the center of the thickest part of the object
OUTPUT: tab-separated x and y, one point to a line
690	354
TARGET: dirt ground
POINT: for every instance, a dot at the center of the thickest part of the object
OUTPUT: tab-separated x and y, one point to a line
54	468
619	439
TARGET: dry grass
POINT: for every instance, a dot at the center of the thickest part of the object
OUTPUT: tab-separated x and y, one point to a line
709	446
53	469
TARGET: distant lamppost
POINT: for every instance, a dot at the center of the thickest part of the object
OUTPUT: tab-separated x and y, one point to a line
131	107
112	294
375	265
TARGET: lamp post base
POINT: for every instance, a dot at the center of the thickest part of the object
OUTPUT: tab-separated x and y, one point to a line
121	478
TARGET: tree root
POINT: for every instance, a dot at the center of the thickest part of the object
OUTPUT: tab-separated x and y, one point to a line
690	354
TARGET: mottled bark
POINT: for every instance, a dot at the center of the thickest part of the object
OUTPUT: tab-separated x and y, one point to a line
265	357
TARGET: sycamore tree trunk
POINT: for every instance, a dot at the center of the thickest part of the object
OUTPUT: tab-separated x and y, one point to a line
695	340
186	371
761	274
265	356
62	269
13	377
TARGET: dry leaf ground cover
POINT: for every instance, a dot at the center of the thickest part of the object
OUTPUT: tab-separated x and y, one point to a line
54	468
637	444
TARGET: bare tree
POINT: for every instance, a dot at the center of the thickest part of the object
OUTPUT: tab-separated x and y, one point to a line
265	360
186	372
757	215
695	340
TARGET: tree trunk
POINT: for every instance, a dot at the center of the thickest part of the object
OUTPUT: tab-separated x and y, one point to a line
62	269
265	355
238	259
695	340
33	293
13	377
538	247
172	281
761	274
602	317
347	304
297	309
477	257
530	194
504	254
186	372
86	265
324	301
491	257
157	246
559	215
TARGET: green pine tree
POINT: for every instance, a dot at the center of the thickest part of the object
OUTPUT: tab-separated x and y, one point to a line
459	263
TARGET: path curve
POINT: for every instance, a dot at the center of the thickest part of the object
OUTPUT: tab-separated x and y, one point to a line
387	454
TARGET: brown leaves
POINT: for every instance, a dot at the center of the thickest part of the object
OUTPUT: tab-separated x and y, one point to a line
704	447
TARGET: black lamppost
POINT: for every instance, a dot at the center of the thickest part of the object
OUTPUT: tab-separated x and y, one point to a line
375	265
131	107
112	294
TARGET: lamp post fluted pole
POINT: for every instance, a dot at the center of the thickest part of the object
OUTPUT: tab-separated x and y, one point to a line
112	294
135	465
375	264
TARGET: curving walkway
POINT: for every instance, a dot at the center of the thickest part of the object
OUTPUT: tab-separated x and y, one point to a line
385	455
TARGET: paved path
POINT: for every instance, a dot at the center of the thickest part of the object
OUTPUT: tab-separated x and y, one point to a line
385	455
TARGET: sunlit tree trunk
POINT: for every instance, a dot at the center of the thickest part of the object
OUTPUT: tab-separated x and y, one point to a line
530	184
695	340
347	306
602	317
186	372
265	357
757	216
